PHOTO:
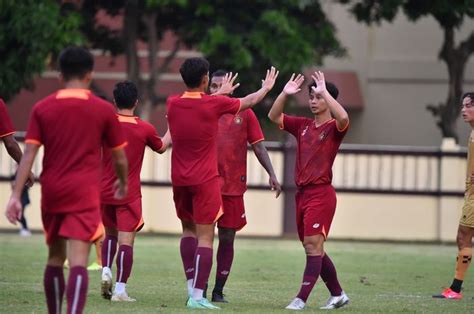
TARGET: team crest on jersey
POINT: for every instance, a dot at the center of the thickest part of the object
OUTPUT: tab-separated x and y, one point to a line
238	120
304	131
323	135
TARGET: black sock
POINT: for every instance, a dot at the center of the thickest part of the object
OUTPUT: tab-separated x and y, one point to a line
456	285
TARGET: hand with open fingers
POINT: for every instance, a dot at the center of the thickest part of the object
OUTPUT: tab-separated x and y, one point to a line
270	78
294	84
121	189
318	77
13	211
228	87
275	186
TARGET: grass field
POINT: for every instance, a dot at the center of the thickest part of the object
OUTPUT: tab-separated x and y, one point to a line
379	278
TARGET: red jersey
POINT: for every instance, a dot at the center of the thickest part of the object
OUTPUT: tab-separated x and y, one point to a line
72	124
6	125
138	135
192	120
317	149
235	131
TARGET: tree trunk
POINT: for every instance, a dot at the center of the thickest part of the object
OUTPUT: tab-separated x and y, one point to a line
130	35
455	59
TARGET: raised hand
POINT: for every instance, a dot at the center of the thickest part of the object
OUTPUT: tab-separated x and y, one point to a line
318	77
228	87
270	78
294	84
13	212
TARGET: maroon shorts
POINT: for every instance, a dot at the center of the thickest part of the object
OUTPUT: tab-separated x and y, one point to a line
200	203
124	217
315	208
82	225
234	212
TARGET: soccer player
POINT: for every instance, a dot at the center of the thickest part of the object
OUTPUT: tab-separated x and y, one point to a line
318	141
466	223
72	124
193	121
123	218
234	132
6	135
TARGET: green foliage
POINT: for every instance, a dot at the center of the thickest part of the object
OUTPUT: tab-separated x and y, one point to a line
30	33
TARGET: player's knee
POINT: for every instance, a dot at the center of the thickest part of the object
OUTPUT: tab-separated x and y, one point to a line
463	238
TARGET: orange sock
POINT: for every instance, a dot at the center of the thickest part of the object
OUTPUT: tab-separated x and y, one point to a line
462	262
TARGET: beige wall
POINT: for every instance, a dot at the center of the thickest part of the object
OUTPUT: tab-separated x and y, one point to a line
399	73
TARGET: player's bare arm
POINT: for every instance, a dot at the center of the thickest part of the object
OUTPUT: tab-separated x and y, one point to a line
121	169
14	151
292	87
13	211
338	112
262	156
267	84
166	142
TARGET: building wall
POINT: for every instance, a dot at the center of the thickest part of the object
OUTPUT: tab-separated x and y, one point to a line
400	74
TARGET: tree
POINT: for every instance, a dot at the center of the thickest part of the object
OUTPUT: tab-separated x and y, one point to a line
247	38
30	33
450	15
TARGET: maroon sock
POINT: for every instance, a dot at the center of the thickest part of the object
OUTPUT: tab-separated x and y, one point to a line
54	283
77	290
202	267
311	274
187	249
225	256
109	248
329	276
124	263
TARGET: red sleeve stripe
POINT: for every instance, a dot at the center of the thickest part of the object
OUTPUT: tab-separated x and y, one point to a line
120	146
240	106
32	141
6	134
282	126
345	128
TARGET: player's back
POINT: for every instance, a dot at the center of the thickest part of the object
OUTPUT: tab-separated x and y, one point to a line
71	124
193	121
138	135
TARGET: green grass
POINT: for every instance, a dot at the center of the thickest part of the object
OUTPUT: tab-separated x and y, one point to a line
379	278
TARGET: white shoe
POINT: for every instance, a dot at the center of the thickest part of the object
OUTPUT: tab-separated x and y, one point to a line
335	302
25	233
106	284
297	304
122	297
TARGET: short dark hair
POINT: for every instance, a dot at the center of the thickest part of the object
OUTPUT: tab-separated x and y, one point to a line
468	94
75	62
219	73
125	94
193	70
331	87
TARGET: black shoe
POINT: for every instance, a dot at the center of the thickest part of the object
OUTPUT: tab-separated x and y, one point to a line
218	297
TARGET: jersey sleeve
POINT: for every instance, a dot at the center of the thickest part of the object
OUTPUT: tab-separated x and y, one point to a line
339	134
113	134
6	125
292	124
153	140
226	104
254	131
34	133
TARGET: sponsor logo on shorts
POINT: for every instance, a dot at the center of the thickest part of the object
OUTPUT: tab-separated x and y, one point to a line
316	226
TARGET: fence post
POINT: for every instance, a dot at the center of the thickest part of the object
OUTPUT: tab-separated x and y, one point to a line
289	209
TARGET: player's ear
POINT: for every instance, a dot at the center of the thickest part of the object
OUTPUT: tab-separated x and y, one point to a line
88	77
205	80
